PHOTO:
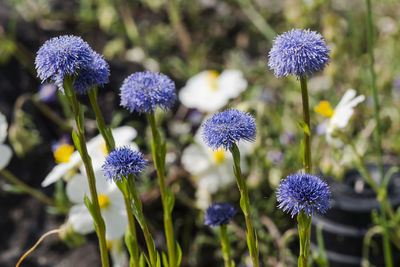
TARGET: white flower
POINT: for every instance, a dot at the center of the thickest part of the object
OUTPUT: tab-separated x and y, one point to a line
340	116
212	169
97	151
118	253
209	91
5	150
111	203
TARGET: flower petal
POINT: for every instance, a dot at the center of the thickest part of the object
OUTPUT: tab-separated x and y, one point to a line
5	156
116	222
77	188
3	127
80	219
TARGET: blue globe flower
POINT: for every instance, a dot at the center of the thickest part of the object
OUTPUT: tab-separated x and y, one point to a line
61	56
122	162
144	91
96	73
298	52
303	192
219	213
228	127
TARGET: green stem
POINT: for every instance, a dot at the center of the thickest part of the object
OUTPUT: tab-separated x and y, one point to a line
245	206
151	248
27	189
103	129
382	198
304	227
159	161
134	259
377	132
306	119
226	246
97	218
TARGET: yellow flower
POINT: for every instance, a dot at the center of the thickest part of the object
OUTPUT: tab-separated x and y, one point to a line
63	153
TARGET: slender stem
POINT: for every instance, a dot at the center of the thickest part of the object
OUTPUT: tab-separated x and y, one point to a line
142	222
226	246
134	260
104	131
377	132
99	222
304	227
306	119
27	189
245	205
368	178
55	231
159	160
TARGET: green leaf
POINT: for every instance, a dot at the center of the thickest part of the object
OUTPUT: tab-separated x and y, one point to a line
142	260
14	189
304	127
243	205
130	242
77	142
165	260
81	119
170	200
158	262
179	254
89	206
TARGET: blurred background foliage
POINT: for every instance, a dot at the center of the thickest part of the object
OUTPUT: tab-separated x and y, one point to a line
183	37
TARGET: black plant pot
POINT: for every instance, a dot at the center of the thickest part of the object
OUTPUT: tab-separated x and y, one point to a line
346	223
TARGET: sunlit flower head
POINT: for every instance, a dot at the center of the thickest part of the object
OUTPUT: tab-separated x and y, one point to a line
145	91
209	91
298	52
213	169
228	127
219	214
111	203
61	56
5	150
96	73
340	116
303	192
122	162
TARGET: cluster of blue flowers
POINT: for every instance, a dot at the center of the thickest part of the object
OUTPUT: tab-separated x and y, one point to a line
122	162
298	52
69	55
218	214
303	192
228	127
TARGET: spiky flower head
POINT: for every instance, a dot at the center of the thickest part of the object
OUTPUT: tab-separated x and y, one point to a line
298	52
144	91
303	192
219	213
122	162
96	73
228	127
61	56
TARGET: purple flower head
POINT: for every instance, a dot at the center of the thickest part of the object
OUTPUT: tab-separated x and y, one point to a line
61	56
298	52
122	162
228	127
96	73
144	91
219	213
303	192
